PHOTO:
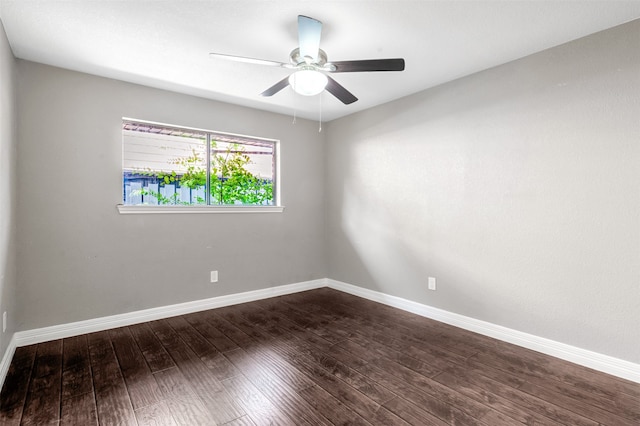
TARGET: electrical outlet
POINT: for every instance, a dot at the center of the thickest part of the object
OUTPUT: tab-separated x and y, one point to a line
214	276
432	283
4	321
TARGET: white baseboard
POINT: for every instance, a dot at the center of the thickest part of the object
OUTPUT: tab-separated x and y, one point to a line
6	360
600	362
607	364
45	334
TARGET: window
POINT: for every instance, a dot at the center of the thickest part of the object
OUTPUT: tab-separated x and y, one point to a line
181	167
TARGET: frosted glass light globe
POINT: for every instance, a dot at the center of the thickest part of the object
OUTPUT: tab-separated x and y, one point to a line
308	82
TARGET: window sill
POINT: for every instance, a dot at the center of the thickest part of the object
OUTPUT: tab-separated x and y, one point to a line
122	209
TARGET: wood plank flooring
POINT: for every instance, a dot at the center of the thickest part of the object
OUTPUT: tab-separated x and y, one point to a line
319	357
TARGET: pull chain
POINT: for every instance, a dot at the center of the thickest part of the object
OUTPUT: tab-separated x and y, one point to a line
320	116
295	107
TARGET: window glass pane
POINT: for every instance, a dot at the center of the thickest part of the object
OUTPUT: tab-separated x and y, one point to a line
167	165
163	166
242	171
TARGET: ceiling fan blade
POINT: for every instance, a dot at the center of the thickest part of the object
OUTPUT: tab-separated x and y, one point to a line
396	64
249	60
276	87
309	31
337	90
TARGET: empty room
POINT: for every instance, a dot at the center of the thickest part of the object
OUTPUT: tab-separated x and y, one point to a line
320	212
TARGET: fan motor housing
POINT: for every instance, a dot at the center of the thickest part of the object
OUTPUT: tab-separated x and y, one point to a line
296	59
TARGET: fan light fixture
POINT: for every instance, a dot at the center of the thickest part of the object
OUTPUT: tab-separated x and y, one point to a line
308	82
309	64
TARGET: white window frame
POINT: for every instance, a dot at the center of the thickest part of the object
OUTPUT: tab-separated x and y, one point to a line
199	209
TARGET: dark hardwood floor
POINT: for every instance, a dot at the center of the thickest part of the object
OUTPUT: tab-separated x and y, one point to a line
320	357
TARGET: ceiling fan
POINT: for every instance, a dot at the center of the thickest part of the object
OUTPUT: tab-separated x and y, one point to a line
311	66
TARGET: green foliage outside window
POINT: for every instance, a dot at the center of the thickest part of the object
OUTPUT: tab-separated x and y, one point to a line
231	182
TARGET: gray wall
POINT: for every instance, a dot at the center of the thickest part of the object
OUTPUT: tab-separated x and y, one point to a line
518	188
8	183
78	258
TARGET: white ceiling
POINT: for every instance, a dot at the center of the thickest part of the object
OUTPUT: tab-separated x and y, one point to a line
165	44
